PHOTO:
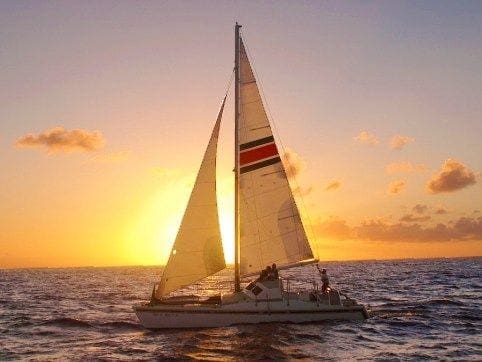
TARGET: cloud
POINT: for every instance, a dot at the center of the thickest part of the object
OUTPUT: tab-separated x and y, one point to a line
412	218
302	191
396	187
294	163
420	209
440	211
462	229
333	185
405	167
472	227
380	231
334	228
453	176
398	141
366	138
60	140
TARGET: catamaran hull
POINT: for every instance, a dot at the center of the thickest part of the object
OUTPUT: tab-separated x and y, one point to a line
153	318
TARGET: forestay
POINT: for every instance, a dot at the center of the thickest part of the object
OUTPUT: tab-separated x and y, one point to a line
197	251
271	230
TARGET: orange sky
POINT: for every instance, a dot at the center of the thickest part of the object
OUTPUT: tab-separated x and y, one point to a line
106	110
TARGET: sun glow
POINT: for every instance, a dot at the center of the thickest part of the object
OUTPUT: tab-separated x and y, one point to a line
149	237
225	191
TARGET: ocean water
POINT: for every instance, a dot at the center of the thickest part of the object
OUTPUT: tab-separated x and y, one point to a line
420	309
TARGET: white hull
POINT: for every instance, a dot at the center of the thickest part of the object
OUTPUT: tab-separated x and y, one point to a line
164	316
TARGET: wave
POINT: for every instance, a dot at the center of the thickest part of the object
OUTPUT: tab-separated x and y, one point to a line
409	323
67	322
122	325
385	313
309	337
469	317
363	338
442	302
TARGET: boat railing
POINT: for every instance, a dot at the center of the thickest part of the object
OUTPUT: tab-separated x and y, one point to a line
292	287
267	300
296	285
289	291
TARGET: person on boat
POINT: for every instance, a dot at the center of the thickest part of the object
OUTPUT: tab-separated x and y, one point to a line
263	275
269	273
274	271
324	280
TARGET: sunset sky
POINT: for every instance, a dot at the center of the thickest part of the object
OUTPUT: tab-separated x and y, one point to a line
106	108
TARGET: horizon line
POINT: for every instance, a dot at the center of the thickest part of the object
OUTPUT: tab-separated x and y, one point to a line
232	264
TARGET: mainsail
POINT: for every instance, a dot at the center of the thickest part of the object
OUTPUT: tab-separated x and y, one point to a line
197	251
271	230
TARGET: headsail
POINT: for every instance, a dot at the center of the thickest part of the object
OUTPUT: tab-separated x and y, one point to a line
197	251
271	230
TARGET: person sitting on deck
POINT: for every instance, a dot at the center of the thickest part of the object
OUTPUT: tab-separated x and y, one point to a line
274	271
269	273
263	275
324	280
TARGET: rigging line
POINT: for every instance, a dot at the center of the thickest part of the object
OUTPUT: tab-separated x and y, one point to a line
260	87
229	84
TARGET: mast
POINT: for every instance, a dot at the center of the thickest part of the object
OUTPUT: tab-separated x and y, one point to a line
237	286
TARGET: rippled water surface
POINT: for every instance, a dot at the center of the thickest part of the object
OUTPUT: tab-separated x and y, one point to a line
419	309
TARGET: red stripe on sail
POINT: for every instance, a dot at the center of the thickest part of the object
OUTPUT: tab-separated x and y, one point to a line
258	154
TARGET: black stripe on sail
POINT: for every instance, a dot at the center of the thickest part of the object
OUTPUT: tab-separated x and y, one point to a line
255	143
262	164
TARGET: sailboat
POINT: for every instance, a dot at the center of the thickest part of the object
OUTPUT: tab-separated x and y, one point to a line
268	230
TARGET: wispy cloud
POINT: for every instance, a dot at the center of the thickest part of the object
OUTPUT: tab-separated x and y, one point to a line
405	167
420	209
366	138
335	228
440	211
414	218
294	163
333	185
303	191
396	187
60	140
398	141
453	176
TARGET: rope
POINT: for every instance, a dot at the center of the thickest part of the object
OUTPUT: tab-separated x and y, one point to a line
229	84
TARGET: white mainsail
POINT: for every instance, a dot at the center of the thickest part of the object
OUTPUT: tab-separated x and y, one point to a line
271	230
197	251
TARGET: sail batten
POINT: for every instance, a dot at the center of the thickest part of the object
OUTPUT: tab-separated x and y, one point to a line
197	251
271	230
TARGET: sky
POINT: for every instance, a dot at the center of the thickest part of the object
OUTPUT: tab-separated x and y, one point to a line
106	109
